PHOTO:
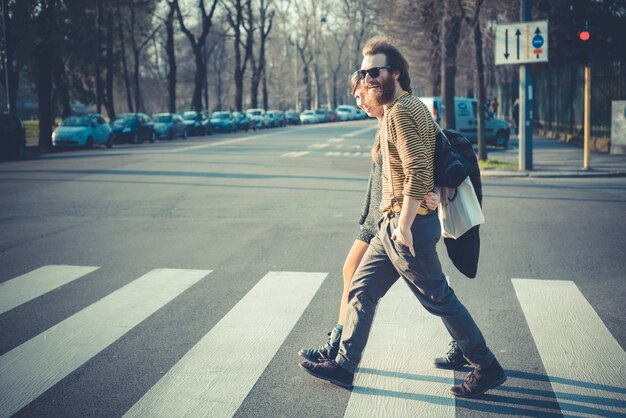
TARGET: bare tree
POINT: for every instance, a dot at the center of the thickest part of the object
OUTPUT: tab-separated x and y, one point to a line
171	56
197	47
451	31
474	23
265	17
339	34
45	40
240	23
120	26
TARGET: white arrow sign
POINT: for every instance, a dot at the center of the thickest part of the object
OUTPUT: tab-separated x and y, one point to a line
522	43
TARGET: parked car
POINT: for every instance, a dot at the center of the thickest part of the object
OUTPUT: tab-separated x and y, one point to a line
169	126
278	118
259	117
497	131
223	121
322	115
83	131
332	116
346	112
360	114
292	117
308	116
133	128
197	123
242	121
12	137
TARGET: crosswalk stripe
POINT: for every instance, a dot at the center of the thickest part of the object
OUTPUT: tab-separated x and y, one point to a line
32	368
38	282
215	376
360	131
585	364
396	377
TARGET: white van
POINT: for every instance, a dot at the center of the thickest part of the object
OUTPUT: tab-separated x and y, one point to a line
497	131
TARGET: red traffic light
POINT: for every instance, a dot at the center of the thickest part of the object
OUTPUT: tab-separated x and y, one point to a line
584	35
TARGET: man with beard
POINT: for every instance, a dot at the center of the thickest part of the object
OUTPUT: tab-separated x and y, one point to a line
407	233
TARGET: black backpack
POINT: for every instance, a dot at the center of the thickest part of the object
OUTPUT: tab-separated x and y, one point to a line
454	160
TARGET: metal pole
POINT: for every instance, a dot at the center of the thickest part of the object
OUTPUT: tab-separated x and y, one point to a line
6	58
587	128
525	102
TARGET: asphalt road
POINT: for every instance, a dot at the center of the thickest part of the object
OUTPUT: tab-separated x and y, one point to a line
223	213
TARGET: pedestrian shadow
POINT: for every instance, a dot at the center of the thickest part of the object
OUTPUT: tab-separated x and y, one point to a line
508	404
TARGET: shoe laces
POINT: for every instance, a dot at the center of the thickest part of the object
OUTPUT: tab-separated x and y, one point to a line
471	378
453	351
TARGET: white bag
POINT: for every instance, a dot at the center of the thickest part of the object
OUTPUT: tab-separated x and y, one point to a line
459	210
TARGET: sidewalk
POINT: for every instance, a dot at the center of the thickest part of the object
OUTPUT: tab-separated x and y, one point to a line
554	158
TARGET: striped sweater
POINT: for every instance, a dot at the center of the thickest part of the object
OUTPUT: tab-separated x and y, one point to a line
408	129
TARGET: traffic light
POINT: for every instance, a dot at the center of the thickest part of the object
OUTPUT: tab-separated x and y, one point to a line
584	35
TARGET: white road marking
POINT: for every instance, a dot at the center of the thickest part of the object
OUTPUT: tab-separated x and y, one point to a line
360	131
38	282
585	364
319	146
396	377
215	376
30	369
295	154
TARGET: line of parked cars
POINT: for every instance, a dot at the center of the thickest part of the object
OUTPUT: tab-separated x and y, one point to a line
341	113
89	130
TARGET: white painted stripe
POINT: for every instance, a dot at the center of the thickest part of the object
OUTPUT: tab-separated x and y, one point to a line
335	140
204	383
396	377
319	146
585	364
360	131
32	368
38	282
295	154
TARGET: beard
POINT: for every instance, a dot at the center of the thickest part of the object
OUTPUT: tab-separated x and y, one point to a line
386	92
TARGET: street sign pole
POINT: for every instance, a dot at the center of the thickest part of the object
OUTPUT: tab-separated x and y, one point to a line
587	132
525	102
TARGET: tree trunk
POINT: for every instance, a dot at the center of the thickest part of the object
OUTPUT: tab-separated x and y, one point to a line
136	54
265	93
98	57
109	103
451	31
255	80
129	96
171	60
62	88
478	49
44	56
196	101
10	82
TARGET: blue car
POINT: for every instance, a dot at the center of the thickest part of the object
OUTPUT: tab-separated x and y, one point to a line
169	126
223	121
83	131
133	128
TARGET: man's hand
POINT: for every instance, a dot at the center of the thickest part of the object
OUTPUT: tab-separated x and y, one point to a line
403	238
432	200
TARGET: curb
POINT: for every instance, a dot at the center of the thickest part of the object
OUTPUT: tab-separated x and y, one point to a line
552	174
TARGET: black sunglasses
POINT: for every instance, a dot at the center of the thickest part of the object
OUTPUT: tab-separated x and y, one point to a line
373	72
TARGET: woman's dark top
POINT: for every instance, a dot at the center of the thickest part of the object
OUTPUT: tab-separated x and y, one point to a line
371	207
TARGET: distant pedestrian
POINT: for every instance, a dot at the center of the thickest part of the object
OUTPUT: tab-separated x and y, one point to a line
493	106
515	115
407	234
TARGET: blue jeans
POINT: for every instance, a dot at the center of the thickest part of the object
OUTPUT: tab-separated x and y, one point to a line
383	261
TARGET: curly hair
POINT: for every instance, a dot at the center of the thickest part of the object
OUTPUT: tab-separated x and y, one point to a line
397	62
